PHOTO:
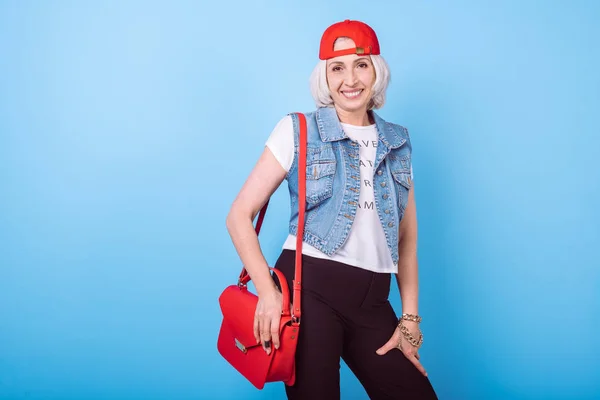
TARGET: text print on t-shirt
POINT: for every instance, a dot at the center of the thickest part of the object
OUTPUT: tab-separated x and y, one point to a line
368	150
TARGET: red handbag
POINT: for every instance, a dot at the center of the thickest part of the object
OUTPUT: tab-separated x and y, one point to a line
236	342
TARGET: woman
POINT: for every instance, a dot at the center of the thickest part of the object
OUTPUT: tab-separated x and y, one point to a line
361	228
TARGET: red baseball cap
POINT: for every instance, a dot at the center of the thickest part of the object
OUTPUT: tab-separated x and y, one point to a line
363	35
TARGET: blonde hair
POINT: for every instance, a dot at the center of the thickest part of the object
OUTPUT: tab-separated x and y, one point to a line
320	89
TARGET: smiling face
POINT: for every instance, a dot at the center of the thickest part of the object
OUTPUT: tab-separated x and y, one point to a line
350	79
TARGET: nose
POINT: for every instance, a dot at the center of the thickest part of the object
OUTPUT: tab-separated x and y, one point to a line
351	77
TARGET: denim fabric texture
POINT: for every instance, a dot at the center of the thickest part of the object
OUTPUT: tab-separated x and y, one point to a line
333	180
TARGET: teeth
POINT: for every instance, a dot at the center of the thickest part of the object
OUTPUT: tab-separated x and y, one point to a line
352	94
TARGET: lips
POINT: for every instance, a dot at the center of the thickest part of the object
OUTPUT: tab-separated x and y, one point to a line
352	94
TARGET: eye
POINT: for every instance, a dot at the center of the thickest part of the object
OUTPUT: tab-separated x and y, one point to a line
363	65
336	68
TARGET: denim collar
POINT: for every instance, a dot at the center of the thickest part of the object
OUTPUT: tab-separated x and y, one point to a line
330	128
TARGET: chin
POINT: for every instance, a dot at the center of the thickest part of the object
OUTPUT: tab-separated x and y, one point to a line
352	106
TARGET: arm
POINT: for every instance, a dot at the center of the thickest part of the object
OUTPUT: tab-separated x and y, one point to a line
408	275
264	179
408	283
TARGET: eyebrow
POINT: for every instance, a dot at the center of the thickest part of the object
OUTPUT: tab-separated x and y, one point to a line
355	61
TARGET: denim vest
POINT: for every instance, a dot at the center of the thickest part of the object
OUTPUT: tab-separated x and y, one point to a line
333	180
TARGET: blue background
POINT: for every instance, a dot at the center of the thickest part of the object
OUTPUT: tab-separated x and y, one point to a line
127	128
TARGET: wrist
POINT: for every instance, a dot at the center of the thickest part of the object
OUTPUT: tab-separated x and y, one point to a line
410	317
265	288
410	310
408	323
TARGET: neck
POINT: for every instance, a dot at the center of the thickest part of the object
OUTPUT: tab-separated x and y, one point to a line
358	117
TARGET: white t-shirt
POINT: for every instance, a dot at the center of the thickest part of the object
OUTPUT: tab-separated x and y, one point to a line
366	245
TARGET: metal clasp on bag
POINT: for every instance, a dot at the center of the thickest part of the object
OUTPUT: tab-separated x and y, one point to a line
240	346
241	284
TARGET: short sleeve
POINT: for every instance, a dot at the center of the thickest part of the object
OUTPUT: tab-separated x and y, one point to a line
281	142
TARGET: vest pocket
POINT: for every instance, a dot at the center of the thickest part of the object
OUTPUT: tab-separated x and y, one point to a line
319	180
403	185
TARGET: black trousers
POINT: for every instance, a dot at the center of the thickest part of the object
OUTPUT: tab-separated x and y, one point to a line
346	314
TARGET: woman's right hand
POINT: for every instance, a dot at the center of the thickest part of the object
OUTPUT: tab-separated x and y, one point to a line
267	318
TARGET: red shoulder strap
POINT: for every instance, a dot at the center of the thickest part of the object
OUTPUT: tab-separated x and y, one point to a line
296	309
297	283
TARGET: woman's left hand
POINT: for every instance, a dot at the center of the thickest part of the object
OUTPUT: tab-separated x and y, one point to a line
399	342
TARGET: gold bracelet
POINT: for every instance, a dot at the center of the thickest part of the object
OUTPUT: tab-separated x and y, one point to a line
411	317
409	337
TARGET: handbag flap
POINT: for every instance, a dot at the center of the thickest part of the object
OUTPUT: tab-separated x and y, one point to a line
236	339
238	306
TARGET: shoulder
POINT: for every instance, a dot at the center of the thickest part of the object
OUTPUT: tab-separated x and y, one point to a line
287	128
312	125
400	130
310	115
395	136
285	121
283	128
394	132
